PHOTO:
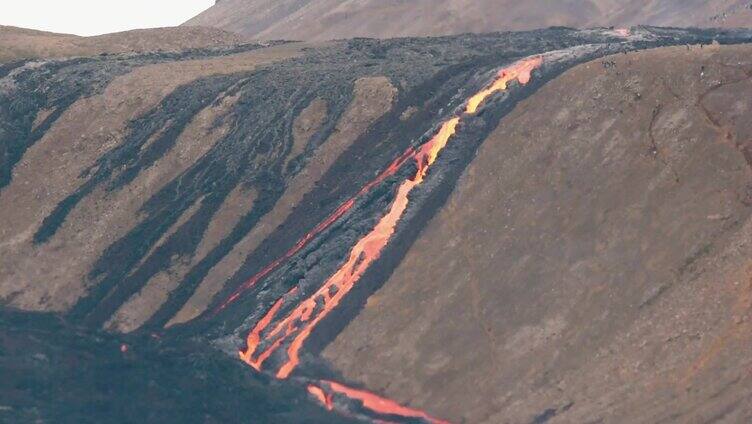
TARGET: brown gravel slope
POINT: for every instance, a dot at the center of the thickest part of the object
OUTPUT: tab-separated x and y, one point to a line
333	19
593	264
21	43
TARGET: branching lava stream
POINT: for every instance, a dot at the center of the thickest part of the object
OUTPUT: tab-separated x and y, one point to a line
290	331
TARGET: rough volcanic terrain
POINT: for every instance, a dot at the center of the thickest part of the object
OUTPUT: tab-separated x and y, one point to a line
166	212
335	19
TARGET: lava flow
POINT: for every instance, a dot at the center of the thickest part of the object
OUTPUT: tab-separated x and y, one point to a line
325	391
291	330
341	210
520	71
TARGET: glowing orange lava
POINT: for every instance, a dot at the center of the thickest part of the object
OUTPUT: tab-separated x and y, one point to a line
520	71
321	396
369	401
255	335
297	325
292	329
623	32
341	210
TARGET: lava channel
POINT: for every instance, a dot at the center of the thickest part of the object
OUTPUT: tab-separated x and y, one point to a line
520	71
291	330
323	225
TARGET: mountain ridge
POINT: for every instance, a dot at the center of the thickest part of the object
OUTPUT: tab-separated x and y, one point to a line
336	19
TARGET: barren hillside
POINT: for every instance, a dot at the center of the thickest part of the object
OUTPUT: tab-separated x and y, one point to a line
334	19
505	227
20	43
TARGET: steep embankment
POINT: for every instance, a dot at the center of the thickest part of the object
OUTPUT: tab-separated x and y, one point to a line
593	262
21	43
335	19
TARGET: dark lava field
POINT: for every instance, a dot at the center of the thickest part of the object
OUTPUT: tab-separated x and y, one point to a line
141	320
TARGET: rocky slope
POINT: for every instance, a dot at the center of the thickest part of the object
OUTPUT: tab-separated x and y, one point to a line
596	252
169	207
335	19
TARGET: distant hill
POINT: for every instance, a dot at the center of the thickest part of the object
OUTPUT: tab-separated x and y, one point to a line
333	19
21	43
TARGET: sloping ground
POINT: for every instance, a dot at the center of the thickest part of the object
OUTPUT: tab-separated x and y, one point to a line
143	185
248	197
335	19
21	43
594	262
94	126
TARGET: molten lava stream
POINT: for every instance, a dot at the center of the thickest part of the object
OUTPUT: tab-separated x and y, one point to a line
520	71
341	210
325	391
296	326
323	397
291	330
299	323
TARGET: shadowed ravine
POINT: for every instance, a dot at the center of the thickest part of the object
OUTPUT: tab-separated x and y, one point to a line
301	274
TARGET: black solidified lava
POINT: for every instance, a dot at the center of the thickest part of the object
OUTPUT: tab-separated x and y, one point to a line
54	85
57	373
